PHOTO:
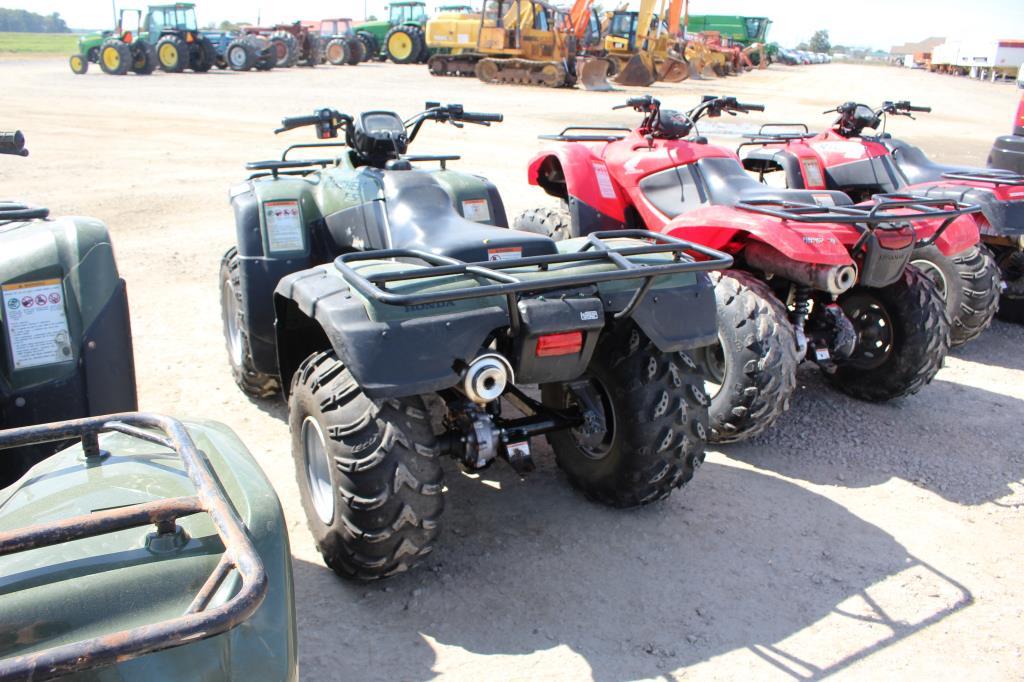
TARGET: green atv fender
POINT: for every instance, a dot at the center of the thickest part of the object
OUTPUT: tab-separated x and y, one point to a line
68	592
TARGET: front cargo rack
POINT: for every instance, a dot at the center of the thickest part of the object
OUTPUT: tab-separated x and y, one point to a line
867	219
593	250
592	134
198	622
993	176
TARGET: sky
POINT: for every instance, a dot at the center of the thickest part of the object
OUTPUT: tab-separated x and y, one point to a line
868	23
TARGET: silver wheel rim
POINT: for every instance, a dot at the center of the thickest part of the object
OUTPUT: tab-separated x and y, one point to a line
318	470
596	445
932	272
237	56
230	303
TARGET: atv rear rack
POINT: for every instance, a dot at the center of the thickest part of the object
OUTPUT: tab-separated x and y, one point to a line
595	249
198	621
618	132
994	177
867	220
763	137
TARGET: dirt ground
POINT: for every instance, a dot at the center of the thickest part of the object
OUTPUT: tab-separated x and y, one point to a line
868	540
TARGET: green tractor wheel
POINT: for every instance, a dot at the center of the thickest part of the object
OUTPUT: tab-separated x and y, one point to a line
115	57
203	55
79	64
404	44
172	54
143	58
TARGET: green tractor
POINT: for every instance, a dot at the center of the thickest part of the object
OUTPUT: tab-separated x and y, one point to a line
117	51
179	43
401	37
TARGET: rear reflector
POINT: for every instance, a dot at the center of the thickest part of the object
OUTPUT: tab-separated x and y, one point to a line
566	343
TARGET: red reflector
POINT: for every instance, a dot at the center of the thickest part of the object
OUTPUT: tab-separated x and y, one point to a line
559	344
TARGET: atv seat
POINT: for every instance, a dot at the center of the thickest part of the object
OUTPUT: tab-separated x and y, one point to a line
727	184
917	167
421	216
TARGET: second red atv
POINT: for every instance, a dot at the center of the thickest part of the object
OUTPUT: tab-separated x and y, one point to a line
816	276
844	157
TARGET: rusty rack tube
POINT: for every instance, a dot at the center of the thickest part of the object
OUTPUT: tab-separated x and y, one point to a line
197	622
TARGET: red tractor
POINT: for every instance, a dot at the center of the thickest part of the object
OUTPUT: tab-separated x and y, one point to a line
816	277
293	44
844	157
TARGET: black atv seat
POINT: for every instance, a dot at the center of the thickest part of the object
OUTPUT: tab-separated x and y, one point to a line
917	167
421	216
727	184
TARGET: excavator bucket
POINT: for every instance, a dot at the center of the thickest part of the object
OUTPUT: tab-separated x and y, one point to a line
674	70
592	74
639	71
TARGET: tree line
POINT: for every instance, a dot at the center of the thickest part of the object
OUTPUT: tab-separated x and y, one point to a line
23	21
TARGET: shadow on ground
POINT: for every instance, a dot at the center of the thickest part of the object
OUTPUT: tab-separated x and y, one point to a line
744	560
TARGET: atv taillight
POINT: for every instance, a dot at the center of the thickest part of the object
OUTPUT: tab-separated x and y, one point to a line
566	343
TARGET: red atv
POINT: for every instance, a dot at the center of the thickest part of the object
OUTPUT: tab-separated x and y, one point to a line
816	276
846	159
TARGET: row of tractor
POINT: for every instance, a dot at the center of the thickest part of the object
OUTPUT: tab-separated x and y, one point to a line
665	303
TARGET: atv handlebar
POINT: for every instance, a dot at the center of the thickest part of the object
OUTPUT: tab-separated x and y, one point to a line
13	142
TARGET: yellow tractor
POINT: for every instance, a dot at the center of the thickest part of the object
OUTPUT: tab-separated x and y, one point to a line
512	41
645	44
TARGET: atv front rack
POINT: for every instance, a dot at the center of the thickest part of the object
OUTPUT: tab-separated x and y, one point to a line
616	133
198	621
993	177
595	249
867	219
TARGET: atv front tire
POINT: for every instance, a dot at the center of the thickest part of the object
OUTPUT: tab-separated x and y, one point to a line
655	421
969	282
750	373
368	471
902	338
253	382
550	222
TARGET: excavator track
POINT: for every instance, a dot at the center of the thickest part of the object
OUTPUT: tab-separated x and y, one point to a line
524	72
454	64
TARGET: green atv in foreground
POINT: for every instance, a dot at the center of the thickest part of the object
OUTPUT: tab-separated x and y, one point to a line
400	38
153	550
167	37
400	315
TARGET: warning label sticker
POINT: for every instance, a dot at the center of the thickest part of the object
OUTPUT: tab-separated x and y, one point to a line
36	324
284	226
604	181
476	210
504	253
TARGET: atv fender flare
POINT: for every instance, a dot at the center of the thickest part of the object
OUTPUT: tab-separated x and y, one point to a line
575	175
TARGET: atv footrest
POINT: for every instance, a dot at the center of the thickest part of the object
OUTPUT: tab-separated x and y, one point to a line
198	622
595	249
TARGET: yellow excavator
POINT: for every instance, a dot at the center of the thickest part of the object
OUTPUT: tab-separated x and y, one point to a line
514	41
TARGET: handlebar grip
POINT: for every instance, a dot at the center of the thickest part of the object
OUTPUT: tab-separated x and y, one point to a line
473	117
13	143
924	110
290	122
751	107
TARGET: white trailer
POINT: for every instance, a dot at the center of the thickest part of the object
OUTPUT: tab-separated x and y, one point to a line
979	58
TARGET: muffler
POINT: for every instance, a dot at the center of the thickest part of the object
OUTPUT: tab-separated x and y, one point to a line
486	377
835	279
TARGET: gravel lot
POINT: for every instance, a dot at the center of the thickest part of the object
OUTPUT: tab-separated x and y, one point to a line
867	540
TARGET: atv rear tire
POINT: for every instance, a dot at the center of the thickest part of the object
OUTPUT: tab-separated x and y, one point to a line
172	54
1011	303
286	49
550	222
902	338
143	58
253	383
240	55
115	57
404	44
655	418
79	64
368	471
750	373
338	51
969	282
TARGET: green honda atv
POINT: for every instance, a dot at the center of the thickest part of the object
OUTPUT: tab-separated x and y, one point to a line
404	321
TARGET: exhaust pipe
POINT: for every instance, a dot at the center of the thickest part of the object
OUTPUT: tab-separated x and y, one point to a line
835	279
486	378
